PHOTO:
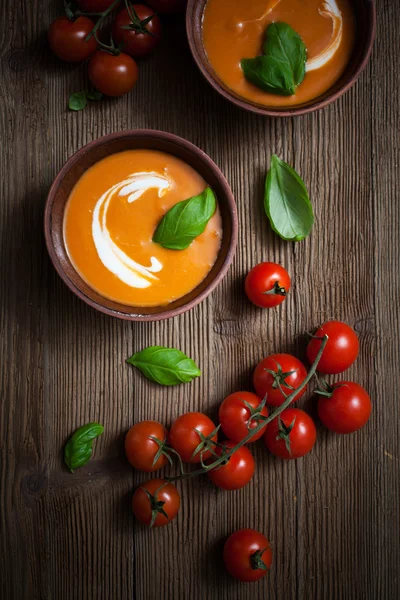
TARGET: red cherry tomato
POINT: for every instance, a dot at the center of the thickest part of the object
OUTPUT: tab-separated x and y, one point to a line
94	5
340	351
168	6
112	75
161	508
289	374
291	435
239	413
247	555
67	39
267	285
141	450
136	42
347	409
185	439
237	472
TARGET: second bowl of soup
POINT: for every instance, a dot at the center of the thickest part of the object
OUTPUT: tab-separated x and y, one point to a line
141	225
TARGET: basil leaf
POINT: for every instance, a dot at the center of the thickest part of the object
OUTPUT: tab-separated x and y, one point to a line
185	221
78	449
166	366
286	202
283	66
77	101
95	95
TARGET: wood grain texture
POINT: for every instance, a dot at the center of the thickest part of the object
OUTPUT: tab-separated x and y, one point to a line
333	518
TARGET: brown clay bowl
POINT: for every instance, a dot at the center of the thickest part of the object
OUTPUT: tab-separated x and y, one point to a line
365	15
128	140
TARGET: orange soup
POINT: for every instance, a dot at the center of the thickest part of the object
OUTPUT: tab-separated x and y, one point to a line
235	29
110	219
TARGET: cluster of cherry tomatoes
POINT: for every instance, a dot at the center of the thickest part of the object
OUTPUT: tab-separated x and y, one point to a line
135	31
343	407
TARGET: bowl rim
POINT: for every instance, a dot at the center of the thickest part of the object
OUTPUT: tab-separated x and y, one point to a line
284	112
142	133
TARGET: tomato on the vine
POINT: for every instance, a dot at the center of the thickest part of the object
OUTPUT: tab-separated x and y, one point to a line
340	351
155	503
291	435
142	37
247	555
141	449
267	284
344	407
192	436
112	74
239	413
168	6
94	6
236	471
277	373
67	39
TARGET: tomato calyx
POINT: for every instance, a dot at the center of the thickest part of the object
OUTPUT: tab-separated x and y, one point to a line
156	506
276	290
284	433
256	415
137	25
279	377
206	443
326	389
256	560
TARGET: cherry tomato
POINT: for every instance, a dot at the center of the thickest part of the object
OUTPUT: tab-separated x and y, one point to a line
112	75
340	351
67	39
168	6
236	472
247	555
239	414
159	509
347	409
289	373
94	5
291	435
267	285
135	41
185	439
141	450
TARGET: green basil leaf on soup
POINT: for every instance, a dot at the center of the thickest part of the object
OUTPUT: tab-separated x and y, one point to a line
78	449
185	221
282	66
287	203
166	366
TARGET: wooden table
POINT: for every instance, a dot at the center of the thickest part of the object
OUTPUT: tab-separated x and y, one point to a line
333	517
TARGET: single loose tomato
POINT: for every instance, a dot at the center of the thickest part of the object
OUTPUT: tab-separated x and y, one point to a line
291	435
267	284
279	372
142	37
241	412
340	351
155	503
112	74
67	39
344	407
168	6
141	450
236	472
94	5
247	555
192	435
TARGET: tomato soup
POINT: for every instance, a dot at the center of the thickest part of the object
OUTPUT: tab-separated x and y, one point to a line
235	29
110	219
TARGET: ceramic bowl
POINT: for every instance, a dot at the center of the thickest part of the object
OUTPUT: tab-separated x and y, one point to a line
365	15
130	140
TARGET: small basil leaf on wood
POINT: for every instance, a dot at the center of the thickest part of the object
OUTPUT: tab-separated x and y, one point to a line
77	101
78	449
166	366
282	67
286	202
185	221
